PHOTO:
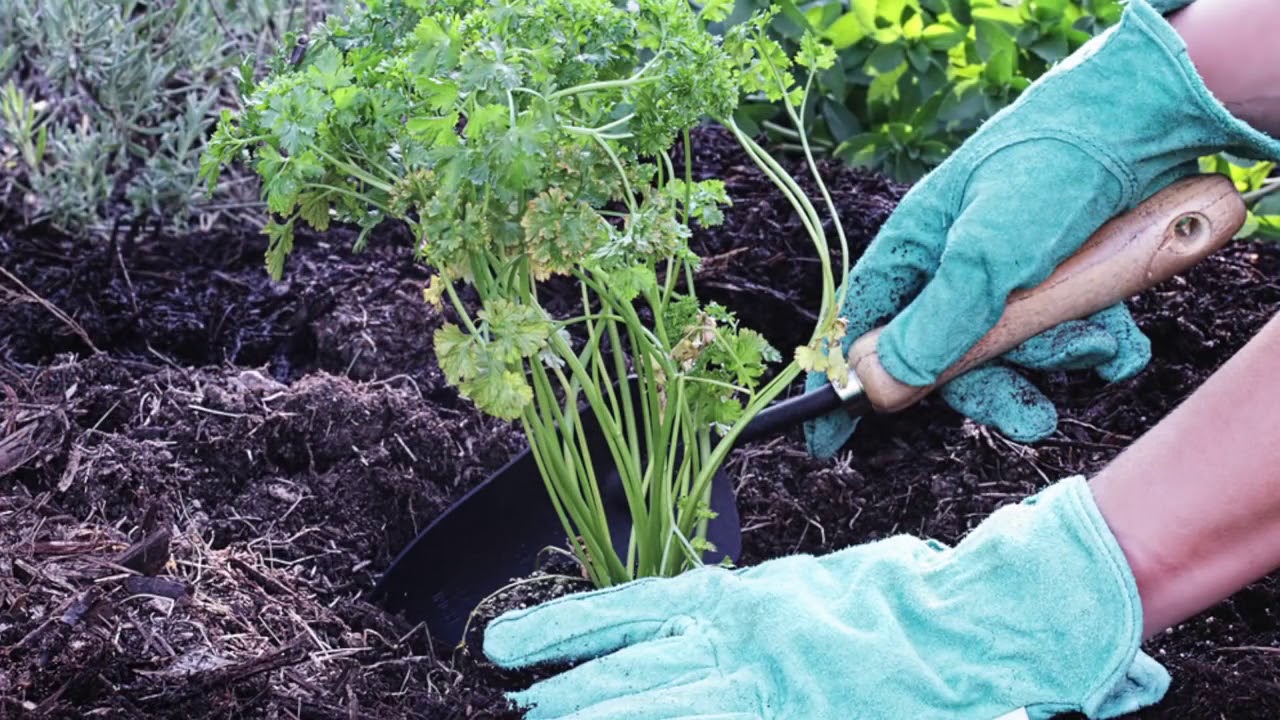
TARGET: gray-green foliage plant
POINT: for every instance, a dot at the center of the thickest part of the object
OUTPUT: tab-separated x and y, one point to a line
105	105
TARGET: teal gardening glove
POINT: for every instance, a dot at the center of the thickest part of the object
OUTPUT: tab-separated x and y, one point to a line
1035	609
1114	123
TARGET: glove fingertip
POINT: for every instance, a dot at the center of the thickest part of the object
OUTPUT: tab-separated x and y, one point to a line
826	435
1133	356
1133	347
510	643
997	396
1033	425
1145	684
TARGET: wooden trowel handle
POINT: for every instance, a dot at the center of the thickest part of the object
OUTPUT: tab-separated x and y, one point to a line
1168	233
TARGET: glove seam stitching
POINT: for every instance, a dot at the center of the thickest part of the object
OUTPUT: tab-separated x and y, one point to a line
1093	151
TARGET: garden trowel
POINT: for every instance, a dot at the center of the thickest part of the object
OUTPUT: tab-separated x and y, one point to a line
498	531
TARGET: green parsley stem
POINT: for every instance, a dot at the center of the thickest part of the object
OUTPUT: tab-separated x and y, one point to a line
635	79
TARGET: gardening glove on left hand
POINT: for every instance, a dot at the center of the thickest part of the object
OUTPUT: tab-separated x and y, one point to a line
1120	119
1036	608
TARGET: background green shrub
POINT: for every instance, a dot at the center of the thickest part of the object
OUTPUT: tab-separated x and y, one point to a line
915	78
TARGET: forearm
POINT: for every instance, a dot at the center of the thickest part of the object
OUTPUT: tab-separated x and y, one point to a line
1235	44
1195	503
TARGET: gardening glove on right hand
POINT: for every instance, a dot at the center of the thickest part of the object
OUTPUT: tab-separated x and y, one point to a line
1117	121
1036	608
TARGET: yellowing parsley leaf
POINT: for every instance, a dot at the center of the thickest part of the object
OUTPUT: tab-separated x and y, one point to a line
433	293
502	393
515	331
559	233
314	208
837	366
455	350
834	334
811	359
279	245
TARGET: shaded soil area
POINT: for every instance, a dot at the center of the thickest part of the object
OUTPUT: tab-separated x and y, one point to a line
202	472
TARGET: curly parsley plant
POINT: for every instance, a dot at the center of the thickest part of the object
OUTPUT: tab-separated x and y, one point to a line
521	140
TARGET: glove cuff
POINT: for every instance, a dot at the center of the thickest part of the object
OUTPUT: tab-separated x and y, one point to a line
1128	679
1229	132
1063	575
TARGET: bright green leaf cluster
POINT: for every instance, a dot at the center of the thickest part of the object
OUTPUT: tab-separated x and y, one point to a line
912	79
1261	191
903	82
461	117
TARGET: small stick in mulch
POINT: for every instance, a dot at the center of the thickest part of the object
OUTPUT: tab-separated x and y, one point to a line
267	583
159	587
291	653
148	555
53	310
18	447
70	615
26	430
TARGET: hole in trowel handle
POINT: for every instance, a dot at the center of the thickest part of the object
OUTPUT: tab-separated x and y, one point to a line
1190	231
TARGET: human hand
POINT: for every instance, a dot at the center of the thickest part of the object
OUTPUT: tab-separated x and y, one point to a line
1035	609
1117	121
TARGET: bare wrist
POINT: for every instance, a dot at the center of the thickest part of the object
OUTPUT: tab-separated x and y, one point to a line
1232	44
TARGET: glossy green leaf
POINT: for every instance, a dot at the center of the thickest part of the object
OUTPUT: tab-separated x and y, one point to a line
992	38
891	10
865	12
942	37
840	122
822	14
1000	67
887	58
847	30
1051	48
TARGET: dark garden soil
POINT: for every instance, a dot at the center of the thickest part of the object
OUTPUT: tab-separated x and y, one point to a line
203	472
